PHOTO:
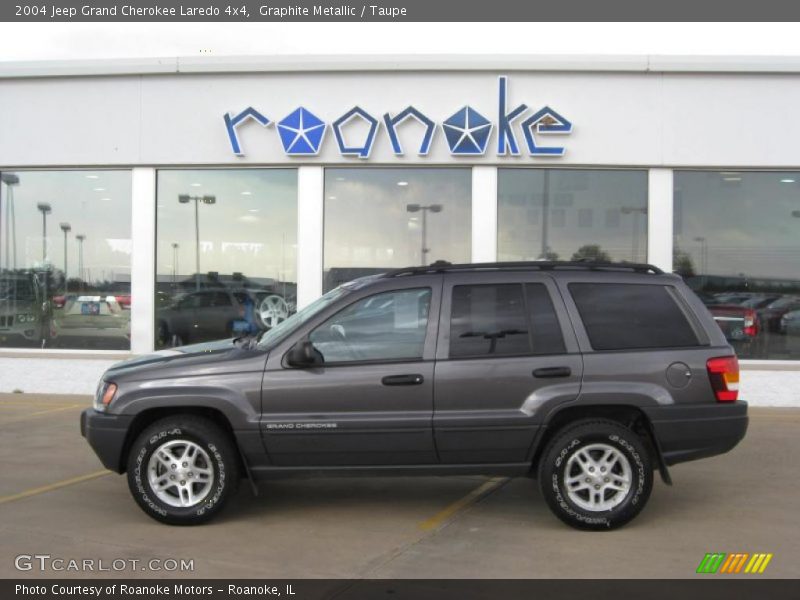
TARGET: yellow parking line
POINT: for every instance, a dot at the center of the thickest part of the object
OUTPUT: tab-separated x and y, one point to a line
52	410
53	486
39	413
449	511
33	404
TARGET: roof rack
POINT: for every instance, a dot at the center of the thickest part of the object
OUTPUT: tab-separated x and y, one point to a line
442	266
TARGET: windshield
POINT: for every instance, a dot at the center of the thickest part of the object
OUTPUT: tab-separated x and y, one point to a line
16	289
286	327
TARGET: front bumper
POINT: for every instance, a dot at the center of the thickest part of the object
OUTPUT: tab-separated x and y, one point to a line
25	338
690	432
106	435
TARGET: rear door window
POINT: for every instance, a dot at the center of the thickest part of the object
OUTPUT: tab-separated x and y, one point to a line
620	316
220	299
546	337
503	320
488	320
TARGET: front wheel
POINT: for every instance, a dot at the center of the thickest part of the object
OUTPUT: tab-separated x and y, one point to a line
596	474
182	470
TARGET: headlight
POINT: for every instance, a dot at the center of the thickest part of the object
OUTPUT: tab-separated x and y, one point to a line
104	395
26	318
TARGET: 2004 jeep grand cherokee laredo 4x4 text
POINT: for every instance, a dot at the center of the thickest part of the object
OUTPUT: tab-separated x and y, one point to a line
586	376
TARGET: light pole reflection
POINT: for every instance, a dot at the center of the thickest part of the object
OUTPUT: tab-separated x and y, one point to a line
66	228
45	209
185	199
11	180
80	237
635	211
434	208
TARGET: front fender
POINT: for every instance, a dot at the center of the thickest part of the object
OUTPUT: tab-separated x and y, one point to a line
240	403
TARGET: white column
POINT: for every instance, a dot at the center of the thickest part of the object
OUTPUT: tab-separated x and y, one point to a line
310	214
484	214
143	260
659	219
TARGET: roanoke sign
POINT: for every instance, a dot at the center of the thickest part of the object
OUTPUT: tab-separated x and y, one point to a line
467	132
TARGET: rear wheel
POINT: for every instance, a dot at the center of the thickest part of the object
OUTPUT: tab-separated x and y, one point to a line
596	474
182	470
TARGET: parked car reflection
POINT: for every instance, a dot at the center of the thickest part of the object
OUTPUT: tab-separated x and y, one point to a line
91	322
770	316
737	321
790	323
211	314
22	310
756	323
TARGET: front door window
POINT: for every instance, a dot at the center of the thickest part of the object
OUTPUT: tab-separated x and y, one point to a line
384	327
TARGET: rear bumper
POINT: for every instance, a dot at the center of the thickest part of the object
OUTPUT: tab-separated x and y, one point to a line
89	339
106	435
690	432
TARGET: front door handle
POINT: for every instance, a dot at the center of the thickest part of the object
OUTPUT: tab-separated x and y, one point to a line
552	372
403	380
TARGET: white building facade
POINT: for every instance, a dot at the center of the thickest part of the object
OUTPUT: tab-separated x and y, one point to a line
158	202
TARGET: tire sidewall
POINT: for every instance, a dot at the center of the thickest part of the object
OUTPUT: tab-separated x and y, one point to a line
139	459
555	471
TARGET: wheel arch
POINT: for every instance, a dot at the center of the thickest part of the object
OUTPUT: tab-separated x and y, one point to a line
627	415
150	415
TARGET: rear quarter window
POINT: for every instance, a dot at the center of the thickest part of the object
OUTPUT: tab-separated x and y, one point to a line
631	316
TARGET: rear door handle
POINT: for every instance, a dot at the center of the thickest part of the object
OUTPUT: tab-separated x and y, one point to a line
552	372
403	380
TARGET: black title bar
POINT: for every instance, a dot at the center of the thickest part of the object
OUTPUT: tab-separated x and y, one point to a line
699	588
535	11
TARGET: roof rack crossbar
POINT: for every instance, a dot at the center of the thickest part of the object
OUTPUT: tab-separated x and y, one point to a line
577	265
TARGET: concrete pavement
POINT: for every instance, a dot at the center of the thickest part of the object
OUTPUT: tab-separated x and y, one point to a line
55	499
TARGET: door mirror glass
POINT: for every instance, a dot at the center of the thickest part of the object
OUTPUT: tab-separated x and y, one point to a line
303	355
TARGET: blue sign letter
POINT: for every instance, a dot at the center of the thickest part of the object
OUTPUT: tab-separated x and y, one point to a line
545	121
301	133
467	132
392	123
360	151
505	134
231	123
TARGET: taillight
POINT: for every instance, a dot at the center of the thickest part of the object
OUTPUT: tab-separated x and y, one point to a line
723	372
750	324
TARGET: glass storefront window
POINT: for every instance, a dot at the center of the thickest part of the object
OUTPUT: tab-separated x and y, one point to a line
226	253
737	244
65	259
570	214
378	219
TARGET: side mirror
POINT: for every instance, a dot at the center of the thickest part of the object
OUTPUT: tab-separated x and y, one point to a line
303	355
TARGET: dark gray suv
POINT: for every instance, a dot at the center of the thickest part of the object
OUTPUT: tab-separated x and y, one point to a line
586	376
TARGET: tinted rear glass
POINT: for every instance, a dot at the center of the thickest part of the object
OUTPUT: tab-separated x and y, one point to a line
488	320
630	316
492	320
545	331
